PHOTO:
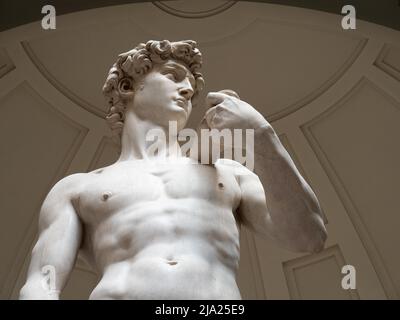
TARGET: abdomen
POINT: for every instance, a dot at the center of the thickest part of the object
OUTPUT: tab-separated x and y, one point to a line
185	277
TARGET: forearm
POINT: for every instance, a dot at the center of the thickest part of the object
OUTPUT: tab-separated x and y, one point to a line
293	206
52	261
275	168
47	275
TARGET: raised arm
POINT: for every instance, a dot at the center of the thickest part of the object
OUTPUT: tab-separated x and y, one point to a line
54	254
276	200
279	203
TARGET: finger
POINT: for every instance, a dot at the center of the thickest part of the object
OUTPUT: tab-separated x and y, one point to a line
230	92
214	98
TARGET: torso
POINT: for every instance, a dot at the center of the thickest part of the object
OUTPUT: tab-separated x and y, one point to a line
161	230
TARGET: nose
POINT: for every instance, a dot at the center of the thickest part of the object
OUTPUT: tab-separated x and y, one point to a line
186	90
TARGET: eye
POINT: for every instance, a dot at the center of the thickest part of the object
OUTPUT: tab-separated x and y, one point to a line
171	75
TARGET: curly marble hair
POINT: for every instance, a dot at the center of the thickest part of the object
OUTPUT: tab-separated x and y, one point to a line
132	65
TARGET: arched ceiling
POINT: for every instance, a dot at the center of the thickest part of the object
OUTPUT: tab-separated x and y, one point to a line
19	12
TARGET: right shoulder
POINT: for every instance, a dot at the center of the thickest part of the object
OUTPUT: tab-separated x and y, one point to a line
67	187
61	199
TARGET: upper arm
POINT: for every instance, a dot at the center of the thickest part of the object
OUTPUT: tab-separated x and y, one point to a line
60	234
253	210
59	226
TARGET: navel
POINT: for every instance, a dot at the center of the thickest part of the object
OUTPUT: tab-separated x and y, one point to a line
171	261
221	185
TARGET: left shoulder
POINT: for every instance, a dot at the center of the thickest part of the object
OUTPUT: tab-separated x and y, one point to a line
237	169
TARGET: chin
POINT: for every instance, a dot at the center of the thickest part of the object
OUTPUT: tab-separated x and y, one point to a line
181	126
180	118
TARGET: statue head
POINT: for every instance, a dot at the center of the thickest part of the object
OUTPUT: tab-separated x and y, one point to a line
158	79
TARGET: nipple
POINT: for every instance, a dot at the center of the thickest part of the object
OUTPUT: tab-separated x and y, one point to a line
106	196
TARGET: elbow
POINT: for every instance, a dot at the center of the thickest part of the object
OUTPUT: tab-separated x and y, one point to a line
316	240
318	245
305	241
309	239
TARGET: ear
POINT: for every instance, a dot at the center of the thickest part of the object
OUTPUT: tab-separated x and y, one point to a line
125	88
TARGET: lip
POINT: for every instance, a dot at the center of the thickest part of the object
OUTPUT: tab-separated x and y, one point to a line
181	101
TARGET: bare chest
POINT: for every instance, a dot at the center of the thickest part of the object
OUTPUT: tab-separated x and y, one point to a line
129	186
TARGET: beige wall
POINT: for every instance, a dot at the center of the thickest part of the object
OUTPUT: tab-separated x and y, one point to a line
332	95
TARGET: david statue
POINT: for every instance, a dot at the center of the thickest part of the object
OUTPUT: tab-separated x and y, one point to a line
157	229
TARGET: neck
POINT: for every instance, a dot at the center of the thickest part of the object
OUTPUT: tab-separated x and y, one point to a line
142	139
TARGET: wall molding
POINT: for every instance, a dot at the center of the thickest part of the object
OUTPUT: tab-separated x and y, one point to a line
290	267
31	232
217	9
58	85
99	151
382	63
352	211
6	64
323	87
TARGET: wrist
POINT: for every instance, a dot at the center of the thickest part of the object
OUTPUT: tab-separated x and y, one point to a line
265	129
259	122
267	143
36	291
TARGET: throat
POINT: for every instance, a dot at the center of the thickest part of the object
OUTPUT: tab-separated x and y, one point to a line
143	139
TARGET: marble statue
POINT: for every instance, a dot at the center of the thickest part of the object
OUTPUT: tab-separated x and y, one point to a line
161	225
